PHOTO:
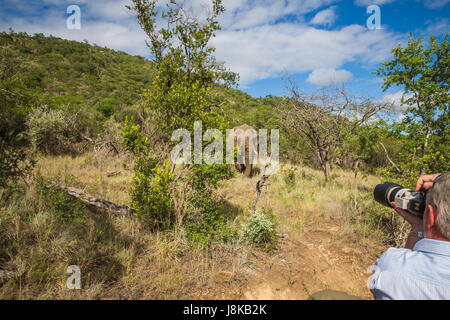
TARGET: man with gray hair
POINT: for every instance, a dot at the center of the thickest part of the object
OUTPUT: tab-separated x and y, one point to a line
420	271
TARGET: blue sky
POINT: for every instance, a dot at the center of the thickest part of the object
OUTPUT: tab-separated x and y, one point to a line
316	42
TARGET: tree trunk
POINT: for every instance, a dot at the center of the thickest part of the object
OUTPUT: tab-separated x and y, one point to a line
327	170
93	201
355	195
427	138
326	164
324	161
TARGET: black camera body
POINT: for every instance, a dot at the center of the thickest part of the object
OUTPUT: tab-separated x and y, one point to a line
406	199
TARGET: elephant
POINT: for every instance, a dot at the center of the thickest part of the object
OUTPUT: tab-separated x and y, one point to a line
244	137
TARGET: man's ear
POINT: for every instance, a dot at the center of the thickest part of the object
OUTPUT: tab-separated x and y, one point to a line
432	216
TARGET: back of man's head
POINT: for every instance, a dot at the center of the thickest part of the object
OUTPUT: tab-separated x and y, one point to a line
439	197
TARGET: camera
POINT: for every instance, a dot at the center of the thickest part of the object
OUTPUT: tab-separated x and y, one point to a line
406	199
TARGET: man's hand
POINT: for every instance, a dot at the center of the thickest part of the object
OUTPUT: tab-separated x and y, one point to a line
415	222
416	225
426	181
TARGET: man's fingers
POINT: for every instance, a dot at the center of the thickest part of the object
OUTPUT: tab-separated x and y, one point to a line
409	217
426	181
403	213
420	183
427	185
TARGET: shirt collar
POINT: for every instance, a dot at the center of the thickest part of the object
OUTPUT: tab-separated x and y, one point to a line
433	246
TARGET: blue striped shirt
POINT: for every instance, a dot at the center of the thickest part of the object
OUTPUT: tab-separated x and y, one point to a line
419	274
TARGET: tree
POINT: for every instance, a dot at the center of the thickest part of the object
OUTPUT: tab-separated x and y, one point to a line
186	70
180	48
423	73
18	93
324	120
178	42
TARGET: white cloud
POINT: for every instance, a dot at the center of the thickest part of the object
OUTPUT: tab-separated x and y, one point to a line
268	51
109	10
325	17
395	99
366	3
241	14
437	27
435	4
325	77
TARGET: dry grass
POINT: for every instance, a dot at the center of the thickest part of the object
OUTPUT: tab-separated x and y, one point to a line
91	172
121	259
309	203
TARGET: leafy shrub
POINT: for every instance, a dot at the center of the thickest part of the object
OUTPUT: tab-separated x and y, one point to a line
52	131
154	190
67	208
260	230
150	194
206	223
152	182
13	164
108	107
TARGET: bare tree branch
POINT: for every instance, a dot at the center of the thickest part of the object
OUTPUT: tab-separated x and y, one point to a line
389	159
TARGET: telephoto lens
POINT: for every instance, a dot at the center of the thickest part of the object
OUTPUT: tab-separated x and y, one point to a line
406	199
385	193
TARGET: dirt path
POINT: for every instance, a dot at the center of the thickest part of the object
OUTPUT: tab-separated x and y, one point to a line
304	267
299	268
312	260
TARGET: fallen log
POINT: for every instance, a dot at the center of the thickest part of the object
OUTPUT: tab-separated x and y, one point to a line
110	174
93	201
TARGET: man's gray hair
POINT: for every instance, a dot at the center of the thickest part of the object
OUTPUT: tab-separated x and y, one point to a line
439	197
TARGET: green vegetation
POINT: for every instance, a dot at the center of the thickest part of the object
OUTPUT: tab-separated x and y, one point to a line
424	73
260	230
177	97
62	72
63	206
102	114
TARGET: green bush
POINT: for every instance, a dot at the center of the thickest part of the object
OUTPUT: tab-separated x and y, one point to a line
260	230
152	181
67	208
52	131
205	222
108	107
150	194
13	165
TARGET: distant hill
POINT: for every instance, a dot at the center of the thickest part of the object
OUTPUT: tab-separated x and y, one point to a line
243	108
77	73
70	72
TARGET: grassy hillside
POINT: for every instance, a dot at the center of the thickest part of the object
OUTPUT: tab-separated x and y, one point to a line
70	72
243	108
67	72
